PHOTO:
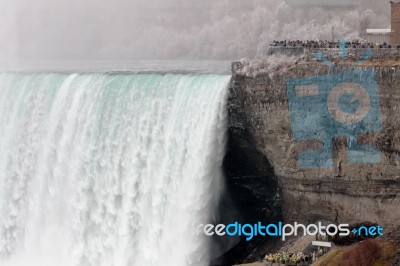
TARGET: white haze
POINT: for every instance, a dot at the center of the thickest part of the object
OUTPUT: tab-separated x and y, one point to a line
62	30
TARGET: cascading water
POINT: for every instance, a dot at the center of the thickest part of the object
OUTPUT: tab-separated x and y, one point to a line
109	170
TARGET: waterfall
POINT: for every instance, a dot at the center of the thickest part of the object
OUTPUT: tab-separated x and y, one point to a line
109	169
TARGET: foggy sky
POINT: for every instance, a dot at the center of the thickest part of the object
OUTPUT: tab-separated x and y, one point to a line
60	30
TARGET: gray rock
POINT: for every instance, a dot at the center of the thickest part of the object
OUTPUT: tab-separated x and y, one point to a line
345	193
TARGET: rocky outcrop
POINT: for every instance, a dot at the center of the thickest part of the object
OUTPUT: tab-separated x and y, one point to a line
260	123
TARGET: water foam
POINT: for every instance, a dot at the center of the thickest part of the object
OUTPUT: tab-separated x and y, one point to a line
109	169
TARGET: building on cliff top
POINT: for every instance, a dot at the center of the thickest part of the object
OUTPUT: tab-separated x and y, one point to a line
392	35
378	35
395	22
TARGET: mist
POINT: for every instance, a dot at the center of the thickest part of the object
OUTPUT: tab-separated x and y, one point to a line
63	30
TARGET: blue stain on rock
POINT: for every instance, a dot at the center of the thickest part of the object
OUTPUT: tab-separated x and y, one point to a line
328	106
347	104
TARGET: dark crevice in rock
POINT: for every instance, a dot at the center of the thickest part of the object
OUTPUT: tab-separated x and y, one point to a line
252	192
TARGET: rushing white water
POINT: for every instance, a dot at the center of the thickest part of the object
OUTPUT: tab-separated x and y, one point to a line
109	170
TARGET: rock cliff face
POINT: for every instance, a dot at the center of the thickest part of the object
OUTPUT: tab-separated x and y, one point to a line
350	189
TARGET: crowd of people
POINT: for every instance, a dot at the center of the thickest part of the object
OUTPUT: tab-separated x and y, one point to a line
331	44
292	259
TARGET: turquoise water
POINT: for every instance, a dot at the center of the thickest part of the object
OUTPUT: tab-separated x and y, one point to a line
100	169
